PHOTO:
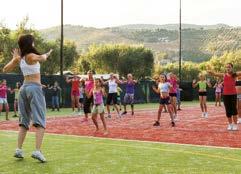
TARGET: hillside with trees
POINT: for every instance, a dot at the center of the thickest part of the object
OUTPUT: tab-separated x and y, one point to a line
200	43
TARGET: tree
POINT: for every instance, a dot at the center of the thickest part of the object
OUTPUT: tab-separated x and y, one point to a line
8	41
121	59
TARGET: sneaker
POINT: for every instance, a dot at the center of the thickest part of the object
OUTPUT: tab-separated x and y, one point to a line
39	156
156	123
84	120
230	127
235	127
173	124
18	153
175	117
205	115
109	116
239	120
105	132
15	115
132	113
123	113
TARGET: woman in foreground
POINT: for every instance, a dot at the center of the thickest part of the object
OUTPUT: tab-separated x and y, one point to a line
31	99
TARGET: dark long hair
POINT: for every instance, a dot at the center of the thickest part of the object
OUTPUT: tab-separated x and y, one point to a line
25	43
234	74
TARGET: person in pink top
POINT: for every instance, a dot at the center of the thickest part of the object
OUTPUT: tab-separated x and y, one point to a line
229	94
172	79
98	105
3	97
218	92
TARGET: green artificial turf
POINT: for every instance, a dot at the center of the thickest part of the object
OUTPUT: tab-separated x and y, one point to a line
73	155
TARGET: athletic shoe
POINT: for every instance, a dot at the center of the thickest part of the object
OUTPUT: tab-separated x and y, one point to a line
105	132
175	117
132	113
39	156
179	109
156	123
205	115
235	127
173	124
239	120
73	113
230	127
15	115
109	116
84	120
123	113
18	153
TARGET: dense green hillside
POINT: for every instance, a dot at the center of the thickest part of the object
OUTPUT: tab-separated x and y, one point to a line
199	42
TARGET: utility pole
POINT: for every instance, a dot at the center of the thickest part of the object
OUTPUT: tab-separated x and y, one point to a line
61	38
180	41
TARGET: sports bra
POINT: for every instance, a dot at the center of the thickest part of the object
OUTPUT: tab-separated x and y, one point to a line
29	69
238	83
164	87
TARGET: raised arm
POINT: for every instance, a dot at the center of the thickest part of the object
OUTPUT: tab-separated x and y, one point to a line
221	75
194	83
209	83
68	80
238	73
156	90
14	62
40	58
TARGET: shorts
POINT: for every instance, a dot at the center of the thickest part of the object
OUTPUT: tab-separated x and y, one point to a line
81	100
3	101
202	93
32	105
230	103
112	97
218	93
173	94
165	101
239	97
129	98
118	99
75	93
98	109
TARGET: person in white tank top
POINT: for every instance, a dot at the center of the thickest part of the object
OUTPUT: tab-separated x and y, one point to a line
28	58
112	94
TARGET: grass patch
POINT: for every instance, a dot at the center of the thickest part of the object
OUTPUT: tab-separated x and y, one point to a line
71	154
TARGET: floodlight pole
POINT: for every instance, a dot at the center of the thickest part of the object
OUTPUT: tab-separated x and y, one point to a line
61	39
180	42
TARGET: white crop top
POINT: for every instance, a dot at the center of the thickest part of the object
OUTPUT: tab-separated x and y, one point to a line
29	69
112	86
164	87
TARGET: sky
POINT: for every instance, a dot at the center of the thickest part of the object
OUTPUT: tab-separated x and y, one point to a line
107	13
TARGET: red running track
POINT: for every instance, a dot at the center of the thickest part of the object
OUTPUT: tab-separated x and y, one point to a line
190	129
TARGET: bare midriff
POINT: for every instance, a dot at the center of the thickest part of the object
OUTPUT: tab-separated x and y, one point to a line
164	94
34	78
238	89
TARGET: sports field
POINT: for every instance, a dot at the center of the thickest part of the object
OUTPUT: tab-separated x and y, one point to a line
132	146
71	154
